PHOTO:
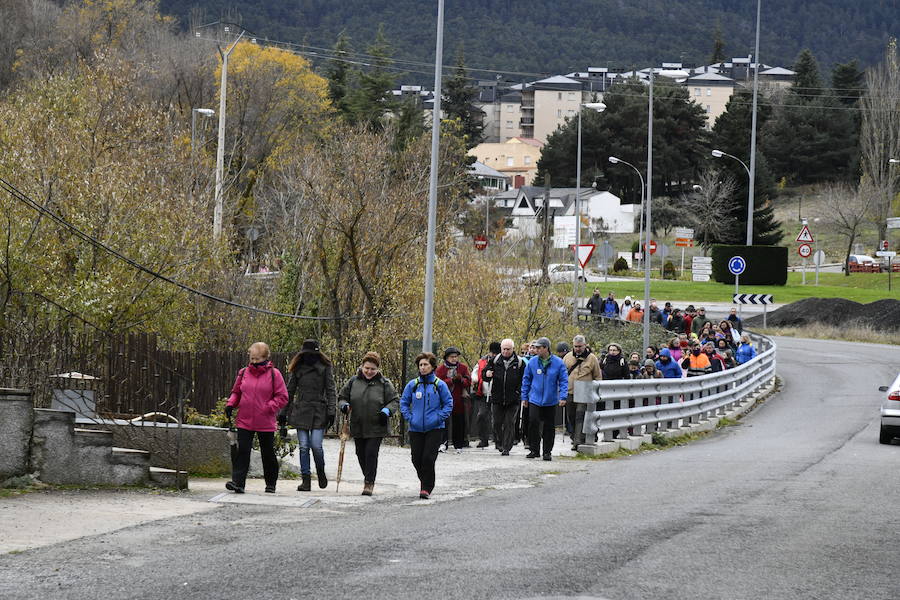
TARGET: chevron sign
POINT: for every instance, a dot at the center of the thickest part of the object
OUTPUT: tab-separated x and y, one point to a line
753	299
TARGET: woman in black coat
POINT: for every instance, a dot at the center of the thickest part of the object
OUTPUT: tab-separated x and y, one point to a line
311	407
369	398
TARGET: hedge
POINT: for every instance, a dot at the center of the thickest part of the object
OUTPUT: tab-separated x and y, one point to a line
766	265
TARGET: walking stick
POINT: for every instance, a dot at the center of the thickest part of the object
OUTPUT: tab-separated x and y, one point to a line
345	435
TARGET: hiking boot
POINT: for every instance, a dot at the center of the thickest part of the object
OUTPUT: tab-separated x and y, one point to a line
270	489
532	454
504	453
305	484
323	481
482	445
367	488
230	486
548	458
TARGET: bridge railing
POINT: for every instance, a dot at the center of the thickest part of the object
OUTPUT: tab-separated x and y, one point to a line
629	408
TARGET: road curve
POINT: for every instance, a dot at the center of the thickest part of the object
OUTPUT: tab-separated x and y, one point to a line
797	501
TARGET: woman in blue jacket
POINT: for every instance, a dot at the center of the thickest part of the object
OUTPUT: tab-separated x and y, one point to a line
745	351
426	404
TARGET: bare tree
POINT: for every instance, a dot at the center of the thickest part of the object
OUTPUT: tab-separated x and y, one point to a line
711	210
880	136
846	210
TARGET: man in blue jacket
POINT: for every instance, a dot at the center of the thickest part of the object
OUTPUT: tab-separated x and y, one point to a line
669	367
545	384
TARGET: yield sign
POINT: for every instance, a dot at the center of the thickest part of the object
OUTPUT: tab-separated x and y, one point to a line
805	236
583	252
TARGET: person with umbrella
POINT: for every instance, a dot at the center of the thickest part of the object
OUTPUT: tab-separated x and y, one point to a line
426	404
258	393
369	399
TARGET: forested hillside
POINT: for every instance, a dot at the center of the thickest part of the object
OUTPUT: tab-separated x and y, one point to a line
536	36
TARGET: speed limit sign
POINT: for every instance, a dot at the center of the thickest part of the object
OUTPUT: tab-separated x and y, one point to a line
804	250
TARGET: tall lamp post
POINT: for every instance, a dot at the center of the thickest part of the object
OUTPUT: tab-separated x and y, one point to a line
649	187
615	160
752	170
220	150
720	154
599	107
433	184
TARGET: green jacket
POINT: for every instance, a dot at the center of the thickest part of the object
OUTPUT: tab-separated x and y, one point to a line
366	398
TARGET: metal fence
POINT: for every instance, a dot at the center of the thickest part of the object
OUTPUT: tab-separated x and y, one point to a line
642	406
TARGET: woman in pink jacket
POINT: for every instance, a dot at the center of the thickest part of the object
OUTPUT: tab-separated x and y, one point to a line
258	393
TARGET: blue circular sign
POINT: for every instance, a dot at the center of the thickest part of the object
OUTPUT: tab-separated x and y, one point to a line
737	265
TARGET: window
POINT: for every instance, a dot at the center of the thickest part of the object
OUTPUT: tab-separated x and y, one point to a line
707	109
570	112
527	160
571	96
509	161
509	108
559	95
698	92
559	113
509	124
709	91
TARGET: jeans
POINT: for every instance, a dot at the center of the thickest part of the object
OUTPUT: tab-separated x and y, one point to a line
424	449
241	463
541	424
367	455
311	439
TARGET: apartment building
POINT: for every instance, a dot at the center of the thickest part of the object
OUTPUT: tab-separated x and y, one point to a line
515	158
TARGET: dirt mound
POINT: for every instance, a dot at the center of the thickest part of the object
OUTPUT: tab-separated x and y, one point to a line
881	315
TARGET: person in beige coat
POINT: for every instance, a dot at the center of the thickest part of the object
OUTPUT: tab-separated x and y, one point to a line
582	365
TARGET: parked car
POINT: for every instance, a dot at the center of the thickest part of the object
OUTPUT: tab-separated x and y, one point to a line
890	412
861	262
559	273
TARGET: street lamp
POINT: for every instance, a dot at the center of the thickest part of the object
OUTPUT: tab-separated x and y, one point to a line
894	161
615	160
720	154
599	107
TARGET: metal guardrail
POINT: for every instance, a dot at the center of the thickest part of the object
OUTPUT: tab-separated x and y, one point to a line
623	408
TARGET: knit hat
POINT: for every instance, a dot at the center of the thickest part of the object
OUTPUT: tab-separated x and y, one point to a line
450	350
649	363
562	347
309	345
542	342
494	348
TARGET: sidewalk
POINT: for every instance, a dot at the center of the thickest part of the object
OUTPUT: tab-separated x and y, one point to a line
39	519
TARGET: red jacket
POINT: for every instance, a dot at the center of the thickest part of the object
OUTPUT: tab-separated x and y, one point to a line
458	387
258	393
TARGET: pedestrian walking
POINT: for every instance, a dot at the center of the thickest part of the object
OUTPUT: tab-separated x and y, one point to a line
458	379
258	394
481	382
369	398
426	404
581	365
506	386
545	385
311	407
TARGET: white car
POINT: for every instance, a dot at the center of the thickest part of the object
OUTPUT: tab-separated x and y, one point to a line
559	273
890	412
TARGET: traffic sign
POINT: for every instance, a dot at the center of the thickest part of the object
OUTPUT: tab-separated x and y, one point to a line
481	242
804	250
893	223
886	253
607	251
752	299
684	232
663	251
702	259
700	276
805	237
583	252
684	243
736	265
702	269
819	258
652	246
884	245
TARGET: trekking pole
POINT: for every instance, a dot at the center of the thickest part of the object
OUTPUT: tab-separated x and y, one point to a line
345	435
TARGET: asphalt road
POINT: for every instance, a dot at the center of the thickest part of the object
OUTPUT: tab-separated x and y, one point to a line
797	501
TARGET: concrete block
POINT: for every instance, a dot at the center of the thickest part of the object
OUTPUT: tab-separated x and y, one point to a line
708	425
53	446
16	423
634	442
598	448
166	478
129	456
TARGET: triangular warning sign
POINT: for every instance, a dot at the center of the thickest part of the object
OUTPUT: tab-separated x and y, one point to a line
583	252
805	236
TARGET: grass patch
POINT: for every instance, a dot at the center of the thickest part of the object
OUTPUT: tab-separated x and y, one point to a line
860	287
726	422
854	333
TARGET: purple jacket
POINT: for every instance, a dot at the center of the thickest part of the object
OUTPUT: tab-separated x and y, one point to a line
258	393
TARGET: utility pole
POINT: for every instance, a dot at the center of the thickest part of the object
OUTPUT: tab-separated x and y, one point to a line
646	249
220	151
750	193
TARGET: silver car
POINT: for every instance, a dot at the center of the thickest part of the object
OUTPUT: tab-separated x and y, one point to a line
890	412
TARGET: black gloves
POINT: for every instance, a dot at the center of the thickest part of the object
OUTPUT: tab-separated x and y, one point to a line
228	411
345	408
282	421
329	421
384	415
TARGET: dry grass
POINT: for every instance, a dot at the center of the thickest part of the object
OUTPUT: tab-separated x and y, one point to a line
853	333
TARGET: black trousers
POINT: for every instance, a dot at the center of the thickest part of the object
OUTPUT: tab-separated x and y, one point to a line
241	463
482	419
458	430
575	420
505	418
541	424
424	448
367	455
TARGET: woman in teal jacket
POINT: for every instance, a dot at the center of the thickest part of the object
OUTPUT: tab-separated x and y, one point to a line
426	404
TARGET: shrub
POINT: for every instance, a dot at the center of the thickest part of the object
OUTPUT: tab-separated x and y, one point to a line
620	265
669	270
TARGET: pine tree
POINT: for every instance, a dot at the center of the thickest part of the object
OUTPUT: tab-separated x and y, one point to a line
848	82
807	81
340	77
410	123
718	53
372	98
458	100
